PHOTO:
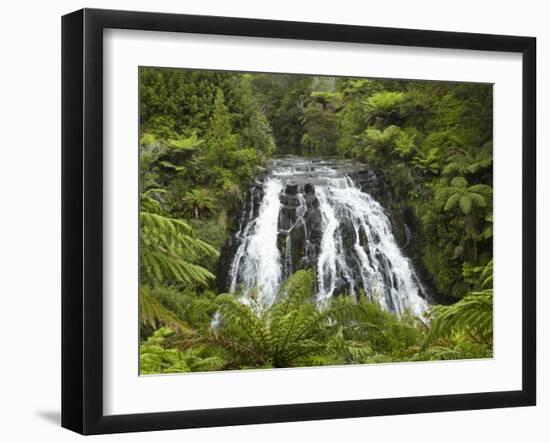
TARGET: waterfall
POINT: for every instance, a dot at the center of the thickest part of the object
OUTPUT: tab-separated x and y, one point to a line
313	214
258	260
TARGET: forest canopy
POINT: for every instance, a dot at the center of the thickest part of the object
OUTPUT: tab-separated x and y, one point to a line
205	136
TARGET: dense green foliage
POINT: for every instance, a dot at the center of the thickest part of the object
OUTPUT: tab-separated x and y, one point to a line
205	135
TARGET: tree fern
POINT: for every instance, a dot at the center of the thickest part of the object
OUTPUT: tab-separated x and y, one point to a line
169	251
486	277
459	193
199	202
379	146
299	328
383	105
283	335
242	331
378	331
457	347
473	315
156	357
470	161
155	315
169	254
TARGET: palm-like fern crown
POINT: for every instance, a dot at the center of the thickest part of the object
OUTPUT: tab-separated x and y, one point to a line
169	251
382	103
460	194
154	314
473	315
470	161
290	330
387	141
169	254
199	202
156	358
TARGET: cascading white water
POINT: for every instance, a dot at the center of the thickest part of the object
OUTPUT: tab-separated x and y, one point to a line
258	258
387	275
314	215
332	260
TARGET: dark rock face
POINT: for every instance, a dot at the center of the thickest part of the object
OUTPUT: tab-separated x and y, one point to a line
302	224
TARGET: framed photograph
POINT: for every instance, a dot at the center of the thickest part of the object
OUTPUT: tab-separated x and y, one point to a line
269	221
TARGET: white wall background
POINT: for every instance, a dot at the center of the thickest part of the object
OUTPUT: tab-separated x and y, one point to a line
30	222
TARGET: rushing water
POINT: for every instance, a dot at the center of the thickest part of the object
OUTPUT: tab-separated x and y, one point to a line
258	262
312	214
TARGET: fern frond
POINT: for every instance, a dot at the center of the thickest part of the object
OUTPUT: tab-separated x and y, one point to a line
168	250
154	314
486	277
472	315
157	357
150	204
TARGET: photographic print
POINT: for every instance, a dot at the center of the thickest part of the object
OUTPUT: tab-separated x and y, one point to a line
298	220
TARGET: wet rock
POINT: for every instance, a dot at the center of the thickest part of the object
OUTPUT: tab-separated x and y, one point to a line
301	228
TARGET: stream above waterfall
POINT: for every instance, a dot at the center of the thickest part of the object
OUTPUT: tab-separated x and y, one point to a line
320	214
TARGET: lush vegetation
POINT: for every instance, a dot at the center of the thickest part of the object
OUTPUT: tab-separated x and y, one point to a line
205	135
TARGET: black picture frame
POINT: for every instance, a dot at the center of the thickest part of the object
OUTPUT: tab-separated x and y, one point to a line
82	220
